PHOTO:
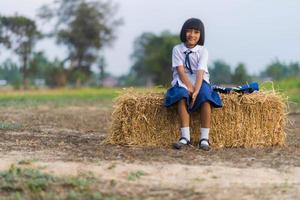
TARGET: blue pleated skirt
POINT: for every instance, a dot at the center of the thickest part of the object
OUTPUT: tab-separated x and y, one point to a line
206	93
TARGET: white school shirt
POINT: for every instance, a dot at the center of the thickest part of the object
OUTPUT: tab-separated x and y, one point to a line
198	60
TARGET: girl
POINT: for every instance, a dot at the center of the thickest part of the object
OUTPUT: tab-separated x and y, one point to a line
190	86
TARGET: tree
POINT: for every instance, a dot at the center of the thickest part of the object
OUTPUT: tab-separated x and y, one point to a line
102	65
19	34
38	66
152	58
220	73
240	75
294	69
52	71
10	72
84	27
276	70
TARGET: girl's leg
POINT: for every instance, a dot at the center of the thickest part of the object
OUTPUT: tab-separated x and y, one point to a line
205	115
184	123
183	114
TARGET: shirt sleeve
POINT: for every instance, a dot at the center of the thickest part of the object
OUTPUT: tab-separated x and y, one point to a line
203	60
177	58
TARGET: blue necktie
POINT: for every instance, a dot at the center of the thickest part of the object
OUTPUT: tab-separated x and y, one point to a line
187	62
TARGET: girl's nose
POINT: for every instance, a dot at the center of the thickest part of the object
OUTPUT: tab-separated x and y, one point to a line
194	33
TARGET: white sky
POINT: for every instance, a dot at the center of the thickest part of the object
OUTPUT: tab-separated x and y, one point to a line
254	32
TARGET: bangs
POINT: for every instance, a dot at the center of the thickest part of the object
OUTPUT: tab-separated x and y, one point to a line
193	28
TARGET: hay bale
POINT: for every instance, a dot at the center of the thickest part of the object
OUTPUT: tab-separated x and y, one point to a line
249	120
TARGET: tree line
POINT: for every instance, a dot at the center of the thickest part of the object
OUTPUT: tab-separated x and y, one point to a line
85	28
82	27
152	65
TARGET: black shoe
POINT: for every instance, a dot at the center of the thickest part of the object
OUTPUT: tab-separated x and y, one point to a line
180	145
204	147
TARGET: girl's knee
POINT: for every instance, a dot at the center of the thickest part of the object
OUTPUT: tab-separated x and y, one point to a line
206	104
182	102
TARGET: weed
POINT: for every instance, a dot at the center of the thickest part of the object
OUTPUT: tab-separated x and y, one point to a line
133	176
25	183
26	162
9	126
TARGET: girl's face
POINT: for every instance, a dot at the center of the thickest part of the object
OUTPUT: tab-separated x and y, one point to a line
192	37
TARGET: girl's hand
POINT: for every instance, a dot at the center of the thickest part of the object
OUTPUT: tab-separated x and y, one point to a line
194	96
199	79
191	90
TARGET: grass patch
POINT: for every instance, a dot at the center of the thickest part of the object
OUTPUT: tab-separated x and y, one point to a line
9	126
288	87
58	97
133	176
62	97
26	162
25	183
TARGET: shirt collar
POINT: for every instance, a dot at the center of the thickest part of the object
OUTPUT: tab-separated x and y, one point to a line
184	48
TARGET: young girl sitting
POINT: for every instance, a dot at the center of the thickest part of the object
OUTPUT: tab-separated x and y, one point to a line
190	86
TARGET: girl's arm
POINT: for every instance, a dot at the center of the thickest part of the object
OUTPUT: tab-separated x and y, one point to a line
199	79
183	77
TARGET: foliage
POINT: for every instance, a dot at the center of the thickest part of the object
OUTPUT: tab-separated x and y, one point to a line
28	183
19	34
278	70
152	59
133	176
51	71
240	75
9	126
102	65
289	87
10	72
84	27
220	73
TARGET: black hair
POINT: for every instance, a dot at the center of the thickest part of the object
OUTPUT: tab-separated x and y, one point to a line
193	23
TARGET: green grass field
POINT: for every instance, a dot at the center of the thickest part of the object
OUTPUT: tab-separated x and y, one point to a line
59	97
62	97
65	96
288	87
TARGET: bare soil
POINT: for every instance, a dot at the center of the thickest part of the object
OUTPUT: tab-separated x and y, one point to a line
69	141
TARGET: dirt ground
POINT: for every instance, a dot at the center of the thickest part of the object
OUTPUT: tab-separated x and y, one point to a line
69	141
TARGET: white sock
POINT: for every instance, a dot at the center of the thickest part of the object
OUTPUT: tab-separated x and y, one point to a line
185	132
204	134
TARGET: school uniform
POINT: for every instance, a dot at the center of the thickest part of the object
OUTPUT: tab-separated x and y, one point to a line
192	59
